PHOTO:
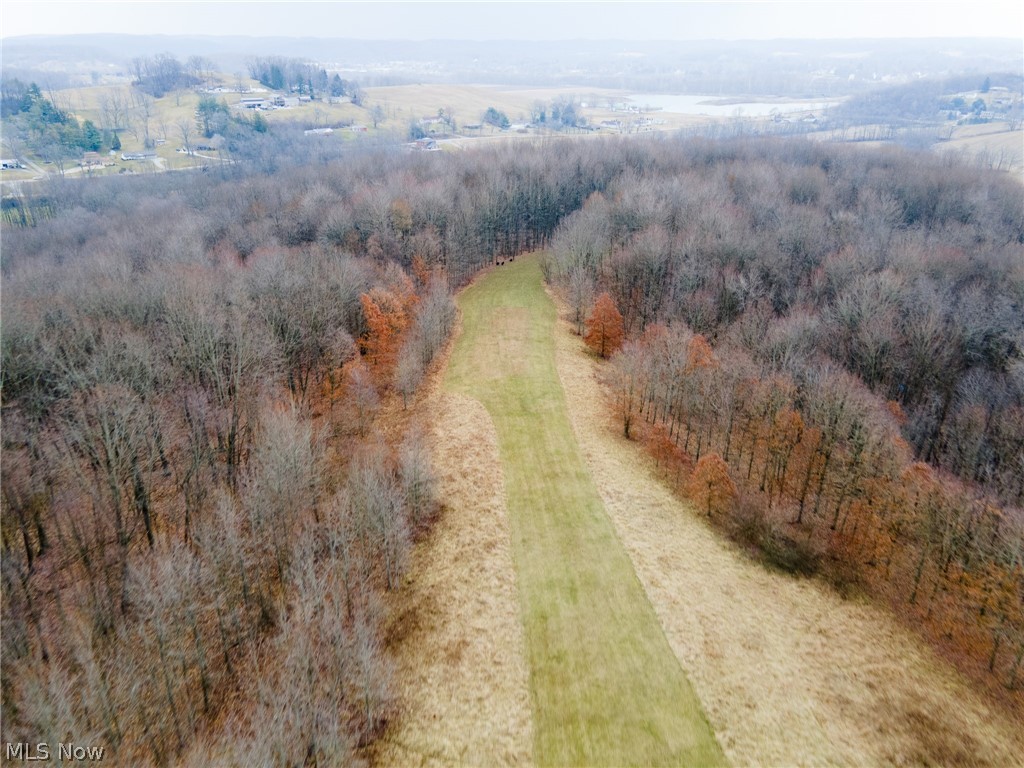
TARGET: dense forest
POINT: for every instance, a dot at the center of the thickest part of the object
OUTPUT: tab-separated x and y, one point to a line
201	514
827	349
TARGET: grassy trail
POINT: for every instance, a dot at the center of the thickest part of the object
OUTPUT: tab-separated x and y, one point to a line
606	688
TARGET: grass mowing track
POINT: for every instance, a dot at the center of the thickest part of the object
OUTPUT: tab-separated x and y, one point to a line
606	688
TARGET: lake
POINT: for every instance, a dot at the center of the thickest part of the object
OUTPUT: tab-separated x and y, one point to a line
694	105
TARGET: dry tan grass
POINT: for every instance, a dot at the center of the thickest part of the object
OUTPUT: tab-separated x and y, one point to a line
789	673
462	674
403	103
993	143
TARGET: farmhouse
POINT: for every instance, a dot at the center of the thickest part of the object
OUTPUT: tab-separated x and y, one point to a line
426	145
10	165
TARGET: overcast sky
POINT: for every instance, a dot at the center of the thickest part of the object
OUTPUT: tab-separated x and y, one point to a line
522	19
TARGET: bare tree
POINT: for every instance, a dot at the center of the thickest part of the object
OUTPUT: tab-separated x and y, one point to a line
283	486
185	128
408	372
417	479
378	508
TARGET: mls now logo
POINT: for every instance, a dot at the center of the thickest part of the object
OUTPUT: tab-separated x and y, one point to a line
35	752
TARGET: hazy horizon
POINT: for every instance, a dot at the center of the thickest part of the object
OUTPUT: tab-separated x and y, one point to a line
524	20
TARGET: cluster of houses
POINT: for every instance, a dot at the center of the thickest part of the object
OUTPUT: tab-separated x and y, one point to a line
269	102
628	126
276	101
355	128
982	106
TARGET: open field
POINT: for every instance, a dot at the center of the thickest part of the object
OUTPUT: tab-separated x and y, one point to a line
605	686
790	673
404	103
993	144
467	103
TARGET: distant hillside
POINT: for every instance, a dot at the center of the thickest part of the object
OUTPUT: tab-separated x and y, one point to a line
965	97
779	67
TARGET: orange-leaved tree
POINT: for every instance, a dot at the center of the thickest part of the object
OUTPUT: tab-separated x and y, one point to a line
699	354
386	318
605	331
710	486
421	270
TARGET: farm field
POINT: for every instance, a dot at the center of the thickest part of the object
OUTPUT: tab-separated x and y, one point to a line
389	113
166	116
467	103
996	144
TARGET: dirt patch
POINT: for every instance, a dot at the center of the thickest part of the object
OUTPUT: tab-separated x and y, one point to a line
461	670
788	672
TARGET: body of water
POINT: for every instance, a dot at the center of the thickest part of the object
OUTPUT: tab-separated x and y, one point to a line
695	105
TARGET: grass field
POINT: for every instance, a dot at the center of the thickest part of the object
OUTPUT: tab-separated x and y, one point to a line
605	687
993	144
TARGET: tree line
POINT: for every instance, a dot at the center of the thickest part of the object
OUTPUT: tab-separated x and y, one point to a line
302	77
51	132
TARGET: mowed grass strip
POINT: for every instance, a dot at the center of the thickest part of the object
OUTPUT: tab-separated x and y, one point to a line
606	688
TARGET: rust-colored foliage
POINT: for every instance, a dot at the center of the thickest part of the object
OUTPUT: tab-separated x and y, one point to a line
421	271
710	486
605	330
700	355
897	411
671	458
831	460
385	319
401	216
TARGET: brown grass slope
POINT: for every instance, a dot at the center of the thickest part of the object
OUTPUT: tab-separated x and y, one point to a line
461	666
